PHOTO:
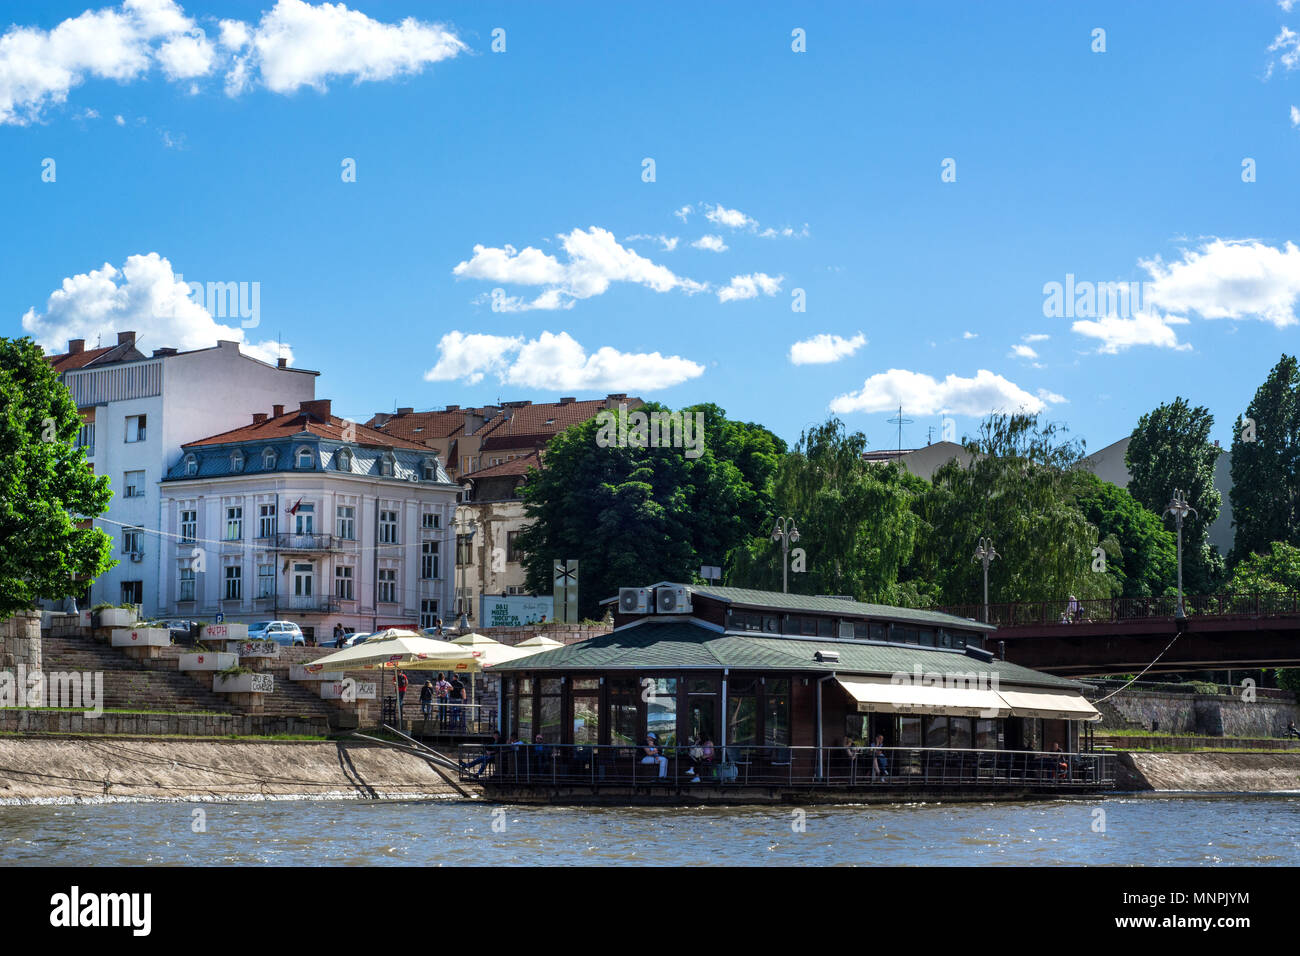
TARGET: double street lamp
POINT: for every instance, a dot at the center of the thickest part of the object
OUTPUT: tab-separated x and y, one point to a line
1180	509
984	553
787	534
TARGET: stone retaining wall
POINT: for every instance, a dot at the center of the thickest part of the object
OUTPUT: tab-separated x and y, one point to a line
20	641
184	725
565	633
1204	714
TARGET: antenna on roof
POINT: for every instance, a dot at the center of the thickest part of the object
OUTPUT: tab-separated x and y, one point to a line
900	421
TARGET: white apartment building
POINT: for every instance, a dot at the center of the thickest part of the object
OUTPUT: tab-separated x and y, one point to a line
306	517
138	411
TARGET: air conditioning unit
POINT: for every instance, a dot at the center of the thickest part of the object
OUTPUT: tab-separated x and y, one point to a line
633	600
137	556
672	600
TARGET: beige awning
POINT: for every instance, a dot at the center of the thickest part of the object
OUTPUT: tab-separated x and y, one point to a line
1053	705
878	695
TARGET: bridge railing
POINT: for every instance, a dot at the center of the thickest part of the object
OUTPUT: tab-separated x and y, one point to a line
1114	610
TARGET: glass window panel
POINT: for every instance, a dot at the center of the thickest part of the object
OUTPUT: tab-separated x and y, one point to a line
742	720
586	719
526	718
661	711
550	685
936	732
776	724
986	734
959	732
586	683
696	686
701	715
550	727
909	731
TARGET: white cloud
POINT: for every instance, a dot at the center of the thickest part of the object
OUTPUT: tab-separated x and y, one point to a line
970	335
684	213
1022	351
731	218
669	243
749	286
556	362
1295	116
786	232
824	348
1035	337
710	242
119	120
1144	328
294	44
297	44
1051	398
1288	44
1286	5
921	394
144	296
1229	279
595	260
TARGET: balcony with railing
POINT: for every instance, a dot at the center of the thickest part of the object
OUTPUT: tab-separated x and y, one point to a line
307	542
310	603
898	770
86	439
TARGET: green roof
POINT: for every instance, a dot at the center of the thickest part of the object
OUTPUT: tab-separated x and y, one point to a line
682	645
828	605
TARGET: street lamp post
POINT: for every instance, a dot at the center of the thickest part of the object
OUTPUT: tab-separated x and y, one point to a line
1180	509
985	554
786	533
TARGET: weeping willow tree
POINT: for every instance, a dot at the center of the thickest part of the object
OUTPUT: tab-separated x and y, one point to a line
1018	491
855	520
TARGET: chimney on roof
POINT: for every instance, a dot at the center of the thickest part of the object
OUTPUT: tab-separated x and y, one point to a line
613	399
259	417
381	419
126	338
282	362
277	411
452	408
405	411
567	401
76	346
317	408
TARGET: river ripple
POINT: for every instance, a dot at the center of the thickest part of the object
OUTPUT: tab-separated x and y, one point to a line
1231	830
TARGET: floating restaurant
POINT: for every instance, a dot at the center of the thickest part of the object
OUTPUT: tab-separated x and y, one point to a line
716	694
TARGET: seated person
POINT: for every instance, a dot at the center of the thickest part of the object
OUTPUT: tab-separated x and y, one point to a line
850	754
541	754
489	756
650	754
879	762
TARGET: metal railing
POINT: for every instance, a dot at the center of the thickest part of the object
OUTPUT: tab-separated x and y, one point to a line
811	767
1116	610
440	719
292	541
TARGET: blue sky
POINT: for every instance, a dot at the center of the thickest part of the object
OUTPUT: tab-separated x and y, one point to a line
818	171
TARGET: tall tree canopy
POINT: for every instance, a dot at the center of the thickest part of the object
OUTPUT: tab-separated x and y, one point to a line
45	484
1265	463
1017	490
1275	569
1140	550
633	515
856	524
1171	449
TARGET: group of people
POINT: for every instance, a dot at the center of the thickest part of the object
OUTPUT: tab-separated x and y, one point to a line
700	754
447	695
875	753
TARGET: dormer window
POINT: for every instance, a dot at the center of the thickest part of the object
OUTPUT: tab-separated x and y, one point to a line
343	460
387	465
268	459
237	461
191	466
304	458
430	469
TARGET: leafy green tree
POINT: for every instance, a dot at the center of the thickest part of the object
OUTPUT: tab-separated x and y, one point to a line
1018	490
1171	449
855	520
1140	550
1276	570
1265	463
633	515
45	485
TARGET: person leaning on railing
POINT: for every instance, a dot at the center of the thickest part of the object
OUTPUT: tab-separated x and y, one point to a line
487	758
879	762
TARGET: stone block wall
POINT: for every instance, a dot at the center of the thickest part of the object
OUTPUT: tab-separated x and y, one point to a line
1209	715
20	641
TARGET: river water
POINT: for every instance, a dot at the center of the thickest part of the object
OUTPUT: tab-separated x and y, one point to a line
1231	830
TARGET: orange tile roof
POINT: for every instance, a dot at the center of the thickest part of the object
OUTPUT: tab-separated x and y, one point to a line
418	426
536	424
517	466
297	422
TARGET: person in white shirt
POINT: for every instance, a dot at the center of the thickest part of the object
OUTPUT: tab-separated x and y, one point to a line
652	755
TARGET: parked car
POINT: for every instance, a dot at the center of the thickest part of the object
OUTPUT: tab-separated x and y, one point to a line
356	637
284	633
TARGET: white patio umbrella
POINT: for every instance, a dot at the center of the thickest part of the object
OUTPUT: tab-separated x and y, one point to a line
395	648
544	643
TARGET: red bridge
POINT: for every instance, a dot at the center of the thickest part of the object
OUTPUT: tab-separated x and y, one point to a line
1124	635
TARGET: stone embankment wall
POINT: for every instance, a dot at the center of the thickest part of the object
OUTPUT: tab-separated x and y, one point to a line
145	724
1204	714
1210	772
96	769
